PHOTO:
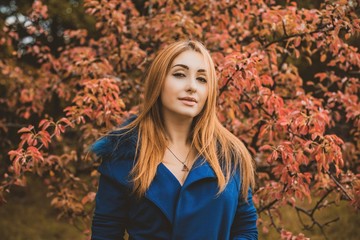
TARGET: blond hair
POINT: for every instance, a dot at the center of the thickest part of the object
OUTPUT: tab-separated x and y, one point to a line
222	150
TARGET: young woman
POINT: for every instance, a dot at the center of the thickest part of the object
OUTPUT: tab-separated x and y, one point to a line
173	171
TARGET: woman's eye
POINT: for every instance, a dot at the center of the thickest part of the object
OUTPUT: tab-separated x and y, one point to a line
179	75
201	79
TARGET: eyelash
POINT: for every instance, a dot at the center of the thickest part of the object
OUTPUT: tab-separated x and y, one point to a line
201	79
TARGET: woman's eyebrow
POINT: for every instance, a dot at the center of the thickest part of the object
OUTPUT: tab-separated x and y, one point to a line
181	65
186	67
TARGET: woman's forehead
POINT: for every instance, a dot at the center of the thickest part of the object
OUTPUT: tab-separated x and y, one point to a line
190	60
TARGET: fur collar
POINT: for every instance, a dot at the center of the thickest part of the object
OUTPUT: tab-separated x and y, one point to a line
116	144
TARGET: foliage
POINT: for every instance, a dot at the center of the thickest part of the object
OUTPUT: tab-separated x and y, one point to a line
288	80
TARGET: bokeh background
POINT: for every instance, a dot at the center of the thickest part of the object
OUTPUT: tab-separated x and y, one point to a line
288	75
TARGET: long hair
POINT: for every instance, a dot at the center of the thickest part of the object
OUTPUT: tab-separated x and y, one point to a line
222	150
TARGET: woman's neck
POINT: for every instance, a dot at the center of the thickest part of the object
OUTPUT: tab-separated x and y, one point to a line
178	129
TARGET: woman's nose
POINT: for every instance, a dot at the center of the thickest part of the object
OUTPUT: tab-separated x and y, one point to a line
192	85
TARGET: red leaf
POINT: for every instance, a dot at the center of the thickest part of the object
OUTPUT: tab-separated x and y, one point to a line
266	147
26	129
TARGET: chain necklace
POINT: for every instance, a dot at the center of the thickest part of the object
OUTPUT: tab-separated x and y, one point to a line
185	167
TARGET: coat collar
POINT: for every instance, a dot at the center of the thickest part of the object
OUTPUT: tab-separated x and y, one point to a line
118	159
165	189
200	170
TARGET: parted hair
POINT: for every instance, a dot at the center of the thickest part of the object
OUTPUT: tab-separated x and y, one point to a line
225	153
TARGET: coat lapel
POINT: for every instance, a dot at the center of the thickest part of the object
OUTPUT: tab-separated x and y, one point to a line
165	189
164	192
200	170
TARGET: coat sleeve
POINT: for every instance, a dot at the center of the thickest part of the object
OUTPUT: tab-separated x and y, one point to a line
244	224
111	198
110	209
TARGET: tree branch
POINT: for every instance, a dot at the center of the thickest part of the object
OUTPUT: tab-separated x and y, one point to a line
340	186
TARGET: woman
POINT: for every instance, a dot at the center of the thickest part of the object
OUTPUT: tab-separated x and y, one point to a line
173	171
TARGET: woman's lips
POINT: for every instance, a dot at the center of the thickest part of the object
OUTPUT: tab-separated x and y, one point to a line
188	101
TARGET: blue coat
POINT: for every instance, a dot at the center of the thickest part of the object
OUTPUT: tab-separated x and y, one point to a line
168	210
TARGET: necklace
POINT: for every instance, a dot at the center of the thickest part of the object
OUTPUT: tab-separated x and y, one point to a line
185	167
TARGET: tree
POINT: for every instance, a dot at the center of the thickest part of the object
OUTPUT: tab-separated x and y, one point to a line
288	80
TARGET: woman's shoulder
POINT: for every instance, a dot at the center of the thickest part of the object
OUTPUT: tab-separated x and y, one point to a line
117	144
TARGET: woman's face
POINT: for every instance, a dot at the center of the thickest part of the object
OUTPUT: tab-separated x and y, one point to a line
186	85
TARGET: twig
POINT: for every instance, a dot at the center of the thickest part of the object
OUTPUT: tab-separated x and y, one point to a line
278	229
311	215
340	186
267	207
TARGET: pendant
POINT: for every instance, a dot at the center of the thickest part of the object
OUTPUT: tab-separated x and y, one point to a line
185	168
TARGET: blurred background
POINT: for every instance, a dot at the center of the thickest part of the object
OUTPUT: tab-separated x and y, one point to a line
72	69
